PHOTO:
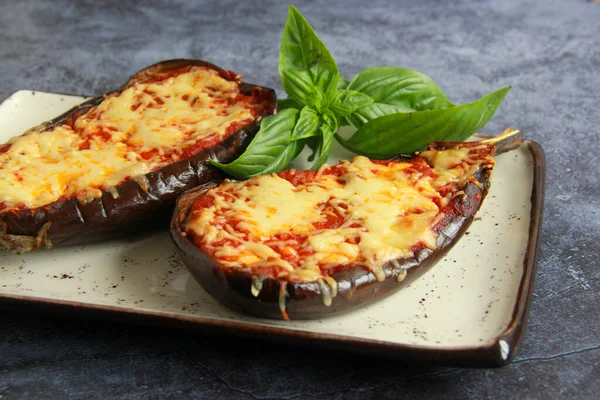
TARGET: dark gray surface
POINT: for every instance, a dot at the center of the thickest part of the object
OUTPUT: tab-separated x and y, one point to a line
548	51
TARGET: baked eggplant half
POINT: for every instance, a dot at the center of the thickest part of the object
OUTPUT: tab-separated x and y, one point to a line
115	164
309	244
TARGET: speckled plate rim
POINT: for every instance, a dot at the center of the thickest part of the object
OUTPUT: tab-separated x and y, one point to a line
495	352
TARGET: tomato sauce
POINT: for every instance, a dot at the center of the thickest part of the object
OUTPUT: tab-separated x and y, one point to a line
101	134
297	177
202	202
200	145
421	166
150	154
333	218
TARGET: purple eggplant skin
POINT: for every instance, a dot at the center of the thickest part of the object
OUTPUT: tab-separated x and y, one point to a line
357	286
142	204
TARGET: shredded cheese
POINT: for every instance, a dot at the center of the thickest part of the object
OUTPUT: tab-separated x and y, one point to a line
387	211
130	134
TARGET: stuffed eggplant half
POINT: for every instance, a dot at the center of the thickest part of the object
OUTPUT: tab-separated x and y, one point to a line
115	164
308	244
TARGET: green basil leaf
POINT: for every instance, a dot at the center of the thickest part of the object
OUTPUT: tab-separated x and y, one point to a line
330	119
270	151
307	125
405	133
328	128
304	61
395	90
374	110
319	99
342	83
345	102
401	87
290	152
288	103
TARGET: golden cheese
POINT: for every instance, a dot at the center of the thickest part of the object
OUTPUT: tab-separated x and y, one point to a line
167	116
387	212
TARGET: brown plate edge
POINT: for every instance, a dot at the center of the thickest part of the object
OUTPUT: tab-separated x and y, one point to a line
495	352
508	342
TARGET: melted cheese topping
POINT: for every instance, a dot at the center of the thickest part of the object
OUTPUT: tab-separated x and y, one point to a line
383	213
140	130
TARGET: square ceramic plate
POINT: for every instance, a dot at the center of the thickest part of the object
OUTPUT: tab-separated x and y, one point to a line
470	308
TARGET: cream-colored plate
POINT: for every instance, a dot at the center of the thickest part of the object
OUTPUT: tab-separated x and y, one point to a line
469	307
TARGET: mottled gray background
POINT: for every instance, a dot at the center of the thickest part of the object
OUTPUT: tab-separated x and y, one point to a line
549	51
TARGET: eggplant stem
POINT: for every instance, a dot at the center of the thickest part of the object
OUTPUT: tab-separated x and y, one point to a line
508	140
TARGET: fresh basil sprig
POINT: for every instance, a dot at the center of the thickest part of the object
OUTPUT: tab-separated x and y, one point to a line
310	77
394	110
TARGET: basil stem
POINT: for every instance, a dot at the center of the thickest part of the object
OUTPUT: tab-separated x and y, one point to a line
328	128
